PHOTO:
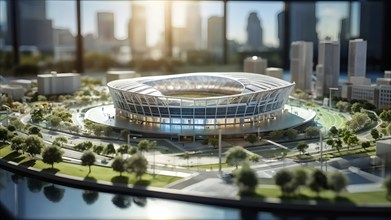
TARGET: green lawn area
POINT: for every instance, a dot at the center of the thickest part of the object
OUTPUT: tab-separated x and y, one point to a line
370	151
362	198
97	172
330	118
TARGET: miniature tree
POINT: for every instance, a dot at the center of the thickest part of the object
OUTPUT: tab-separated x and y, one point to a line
98	149
246	179
123	149
60	141
253	158
337	181
143	145
52	155
318	181
235	156
353	141
252	138
284	179
34	145
333	131
137	164
291	133
365	144
300	177
302	147
88	159
213	141
375	134
3	134
109	149
19	143
118	165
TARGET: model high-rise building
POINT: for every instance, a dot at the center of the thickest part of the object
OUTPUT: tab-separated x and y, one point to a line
255	65
357	58
193	25
58	83
280	29
63	37
105	26
274	72
344	32
301	64
137	32
327	69
254	32
215	34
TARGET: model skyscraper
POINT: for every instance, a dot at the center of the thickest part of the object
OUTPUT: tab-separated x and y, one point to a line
138	31
301	64
105	26
328	67
357	58
254	32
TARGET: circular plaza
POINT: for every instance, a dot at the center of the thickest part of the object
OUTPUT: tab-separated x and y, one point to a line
200	104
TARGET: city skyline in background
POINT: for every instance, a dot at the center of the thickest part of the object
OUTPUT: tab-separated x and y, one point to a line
122	32
328	25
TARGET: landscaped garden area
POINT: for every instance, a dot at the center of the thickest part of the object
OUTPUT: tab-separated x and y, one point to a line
97	172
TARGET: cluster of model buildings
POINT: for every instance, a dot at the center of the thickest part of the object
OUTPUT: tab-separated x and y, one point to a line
326	79
47	84
54	83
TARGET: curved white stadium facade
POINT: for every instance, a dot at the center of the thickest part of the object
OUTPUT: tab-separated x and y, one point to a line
200	99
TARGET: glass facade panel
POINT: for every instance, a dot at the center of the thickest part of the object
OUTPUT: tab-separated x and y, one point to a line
199	112
187	111
221	110
231	110
147	111
175	112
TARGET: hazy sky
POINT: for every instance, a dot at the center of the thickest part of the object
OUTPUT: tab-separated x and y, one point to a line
63	15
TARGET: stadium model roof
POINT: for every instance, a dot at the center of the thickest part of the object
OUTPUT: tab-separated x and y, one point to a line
227	84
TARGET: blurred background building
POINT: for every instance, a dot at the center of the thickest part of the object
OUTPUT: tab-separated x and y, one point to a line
165	37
